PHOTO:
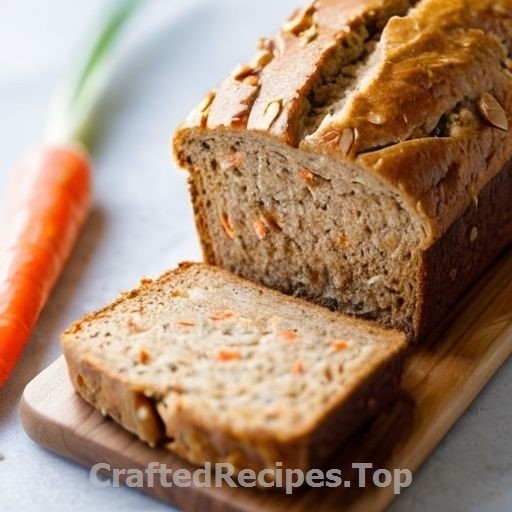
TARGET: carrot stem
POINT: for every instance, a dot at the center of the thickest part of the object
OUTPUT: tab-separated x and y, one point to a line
77	95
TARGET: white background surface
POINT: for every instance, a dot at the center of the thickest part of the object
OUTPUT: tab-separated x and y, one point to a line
141	224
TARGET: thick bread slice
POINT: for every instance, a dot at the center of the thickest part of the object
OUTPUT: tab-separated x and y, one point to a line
219	369
362	159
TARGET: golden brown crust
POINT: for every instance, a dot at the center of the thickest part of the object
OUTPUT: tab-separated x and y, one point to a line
469	246
424	65
330	23
448	172
430	60
114	396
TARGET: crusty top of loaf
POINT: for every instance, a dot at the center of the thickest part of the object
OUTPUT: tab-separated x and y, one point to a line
222	352
416	92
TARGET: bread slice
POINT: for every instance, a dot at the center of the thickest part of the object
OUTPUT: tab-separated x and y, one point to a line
362	159
218	369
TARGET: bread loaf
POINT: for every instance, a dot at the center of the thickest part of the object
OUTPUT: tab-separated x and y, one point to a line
362	159
218	369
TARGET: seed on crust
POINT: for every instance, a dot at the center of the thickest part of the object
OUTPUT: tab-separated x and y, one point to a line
242	71
267	44
473	234
300	21
252	80
309	35
206	102
142	413
199	116
347	139
271	113
375	118
492	111
262	58
280	43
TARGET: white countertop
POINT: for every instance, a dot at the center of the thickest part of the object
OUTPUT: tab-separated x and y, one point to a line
141	224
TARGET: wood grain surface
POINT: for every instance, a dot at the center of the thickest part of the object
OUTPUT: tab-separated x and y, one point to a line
442	376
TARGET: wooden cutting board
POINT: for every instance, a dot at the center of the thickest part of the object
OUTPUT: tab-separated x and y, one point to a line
441	378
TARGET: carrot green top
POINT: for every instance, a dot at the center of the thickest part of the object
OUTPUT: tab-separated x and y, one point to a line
78	94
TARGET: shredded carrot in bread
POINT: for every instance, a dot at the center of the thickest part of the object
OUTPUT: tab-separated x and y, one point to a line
136	326
227	226
225	354
260	229
186	324
288	335
222	315
339	345
298	367
144	356
235	159
341	241
307	175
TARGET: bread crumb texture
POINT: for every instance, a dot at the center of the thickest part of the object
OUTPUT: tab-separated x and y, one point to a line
373	127
224	355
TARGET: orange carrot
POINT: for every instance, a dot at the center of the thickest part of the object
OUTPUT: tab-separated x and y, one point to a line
50	192
47	202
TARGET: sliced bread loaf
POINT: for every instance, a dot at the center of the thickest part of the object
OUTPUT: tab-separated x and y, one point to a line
363	159
219	369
